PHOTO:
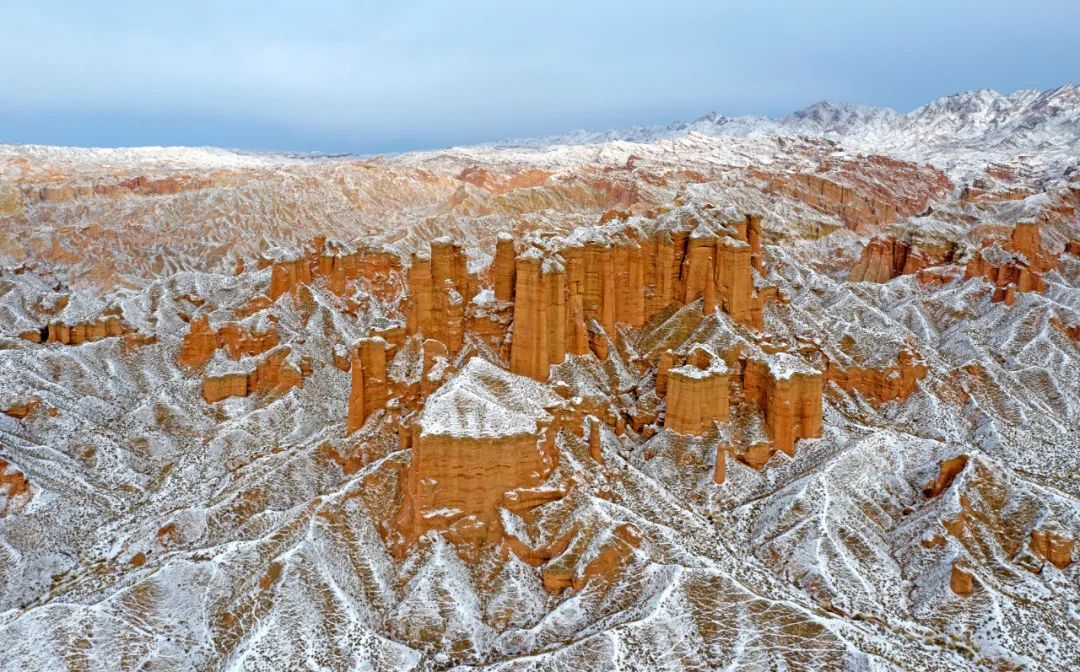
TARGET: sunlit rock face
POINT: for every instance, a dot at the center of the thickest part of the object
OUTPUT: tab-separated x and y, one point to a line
732	394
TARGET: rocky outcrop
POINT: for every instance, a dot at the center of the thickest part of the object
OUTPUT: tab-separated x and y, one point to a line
895	382
109	323
503	267
863	193
1053	545
14	488
887	257
20	410
570	293
139	185
201	341
948	470
961	581
482	441
439	286
697	394
369	390
272	375
539	328
336	264
720	468
1015	267
789	393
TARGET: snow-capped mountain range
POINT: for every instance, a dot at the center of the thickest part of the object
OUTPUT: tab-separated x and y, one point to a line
983	123
978	117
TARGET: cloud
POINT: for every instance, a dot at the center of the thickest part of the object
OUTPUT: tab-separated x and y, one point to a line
355	74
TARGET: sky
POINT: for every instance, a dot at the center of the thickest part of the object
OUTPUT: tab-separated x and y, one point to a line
367	77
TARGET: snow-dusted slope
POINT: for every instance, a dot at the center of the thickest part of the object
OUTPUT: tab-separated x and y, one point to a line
142	527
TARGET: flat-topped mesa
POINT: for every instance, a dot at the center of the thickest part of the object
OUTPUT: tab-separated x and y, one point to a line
1014	267
483	438
439	287
789	392
697	393
338	264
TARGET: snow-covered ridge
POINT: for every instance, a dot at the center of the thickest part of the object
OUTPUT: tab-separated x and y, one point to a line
1027	120
984	118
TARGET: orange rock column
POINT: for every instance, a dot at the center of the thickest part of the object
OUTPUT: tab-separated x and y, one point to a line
418	314
696	398
735	282
368	392
528	346
502	268
753	236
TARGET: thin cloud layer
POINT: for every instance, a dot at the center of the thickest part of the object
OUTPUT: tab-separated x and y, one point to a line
340	77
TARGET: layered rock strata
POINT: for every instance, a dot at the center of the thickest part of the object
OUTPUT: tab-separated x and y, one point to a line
888	257
201	341
439	286
483	440
568	291
1014	267
368	392
789	392
272	375
339	266
897	381
697	395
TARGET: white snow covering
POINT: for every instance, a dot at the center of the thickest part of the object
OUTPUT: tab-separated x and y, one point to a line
485	401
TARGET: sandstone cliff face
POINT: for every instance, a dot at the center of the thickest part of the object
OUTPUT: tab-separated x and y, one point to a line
369	390
887	257
482	441
697	397
272	375
895	382
948	470
439	288
961	581
503	268
199	344
539	328
109	323
337	265
1053	545
863	194
568	297
789	392
1016	267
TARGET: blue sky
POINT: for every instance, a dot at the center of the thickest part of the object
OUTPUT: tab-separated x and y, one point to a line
382	77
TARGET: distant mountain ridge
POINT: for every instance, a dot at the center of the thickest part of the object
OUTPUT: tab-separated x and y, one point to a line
980	117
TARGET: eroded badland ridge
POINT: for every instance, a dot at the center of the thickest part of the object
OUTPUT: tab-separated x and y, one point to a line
740	393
